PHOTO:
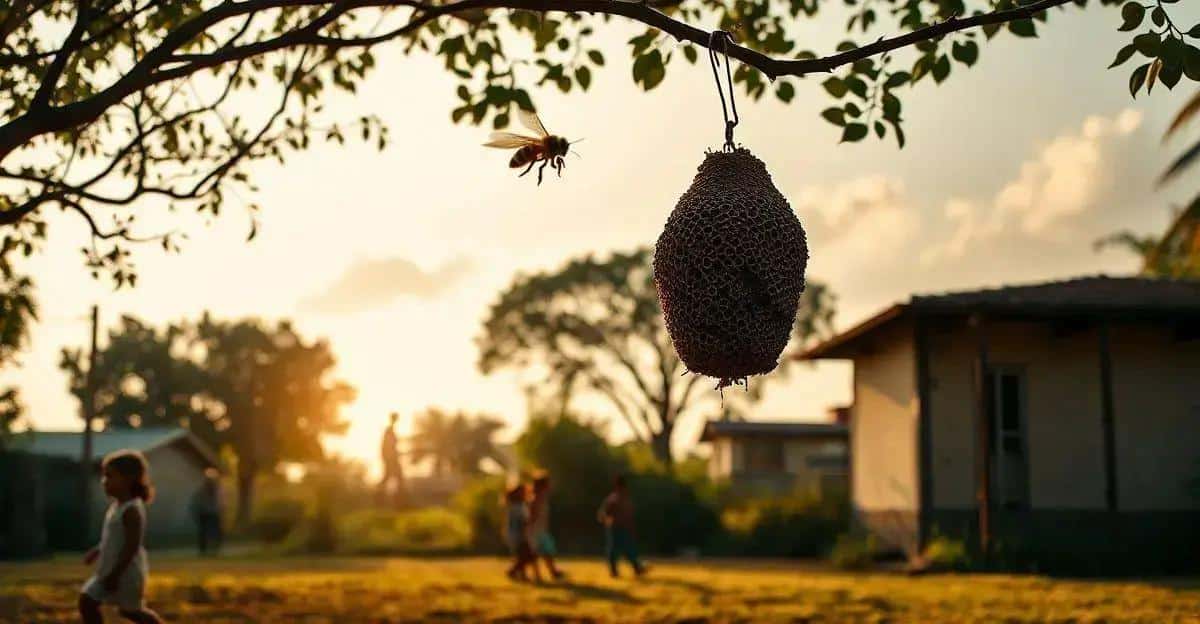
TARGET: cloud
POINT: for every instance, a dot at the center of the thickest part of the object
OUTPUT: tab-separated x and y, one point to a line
869	216
372	283
1061	181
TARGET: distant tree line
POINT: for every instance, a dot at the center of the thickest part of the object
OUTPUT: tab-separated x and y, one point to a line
261	391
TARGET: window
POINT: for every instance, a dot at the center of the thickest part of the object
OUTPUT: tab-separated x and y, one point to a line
764	455
1010	454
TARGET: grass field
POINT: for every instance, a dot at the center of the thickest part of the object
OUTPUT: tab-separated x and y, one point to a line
453	590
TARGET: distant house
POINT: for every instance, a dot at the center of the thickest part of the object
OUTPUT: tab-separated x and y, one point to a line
177	461
777	457
1056	422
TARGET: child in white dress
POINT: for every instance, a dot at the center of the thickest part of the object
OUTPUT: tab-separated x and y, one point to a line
121	566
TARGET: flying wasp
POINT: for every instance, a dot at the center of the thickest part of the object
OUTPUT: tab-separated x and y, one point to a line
546	148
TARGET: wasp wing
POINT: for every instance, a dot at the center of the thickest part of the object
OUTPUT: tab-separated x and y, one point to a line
508	140
530	120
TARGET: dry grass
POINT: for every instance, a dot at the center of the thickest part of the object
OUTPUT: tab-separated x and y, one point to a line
406	590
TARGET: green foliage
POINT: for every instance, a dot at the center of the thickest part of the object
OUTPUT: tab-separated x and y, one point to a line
120	84
803	524
433	530
853	551
276	517
1170	51
943	553
480	503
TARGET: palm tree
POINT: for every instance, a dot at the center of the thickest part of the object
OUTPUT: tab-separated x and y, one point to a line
1176	253
454	442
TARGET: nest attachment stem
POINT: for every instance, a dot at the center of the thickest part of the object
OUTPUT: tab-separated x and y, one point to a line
724	38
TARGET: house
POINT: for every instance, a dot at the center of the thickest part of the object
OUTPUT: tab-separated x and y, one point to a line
777	457
177	459
1054	423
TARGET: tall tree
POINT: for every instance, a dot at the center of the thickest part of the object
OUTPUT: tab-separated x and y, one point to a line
455	443
263	392
594	326
1176	251
144	378
104	103
276	388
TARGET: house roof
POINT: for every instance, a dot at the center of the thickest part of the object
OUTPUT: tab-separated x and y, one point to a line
737	429
68	444
1096	296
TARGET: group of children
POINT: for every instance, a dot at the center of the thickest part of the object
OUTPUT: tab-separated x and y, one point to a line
122	568
527	529
527	513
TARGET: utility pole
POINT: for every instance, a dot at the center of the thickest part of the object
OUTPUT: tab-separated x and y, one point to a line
89	415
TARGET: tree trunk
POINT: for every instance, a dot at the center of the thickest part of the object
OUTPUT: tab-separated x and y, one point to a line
660	442
245	504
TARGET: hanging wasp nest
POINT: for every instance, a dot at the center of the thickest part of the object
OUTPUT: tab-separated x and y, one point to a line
729	267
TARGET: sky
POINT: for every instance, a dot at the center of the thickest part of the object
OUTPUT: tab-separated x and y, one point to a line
1012	170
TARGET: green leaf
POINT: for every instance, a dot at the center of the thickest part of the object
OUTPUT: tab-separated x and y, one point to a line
500	121
965	53
891	106
689	52
856	86
854	132
1170	74
1194	32
835	87
834	115
853	110
899	134
596	57
785	91
1123	55
648	69
463	93
1191	62
1158	17
457	114
941	69
897	79
1152	75
583	76
1022	28
1148	44
880	129
1132	13
1138	78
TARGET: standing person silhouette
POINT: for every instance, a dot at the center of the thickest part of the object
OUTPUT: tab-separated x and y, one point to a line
616	513
390	488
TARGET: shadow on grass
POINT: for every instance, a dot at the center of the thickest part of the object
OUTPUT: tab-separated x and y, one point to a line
596	592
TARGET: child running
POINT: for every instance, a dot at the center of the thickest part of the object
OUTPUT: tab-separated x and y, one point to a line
121	565
517	533
544	546
617	515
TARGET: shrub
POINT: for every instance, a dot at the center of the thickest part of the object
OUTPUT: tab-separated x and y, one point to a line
434	530
800	525
943	553
853	551
479	504
274	519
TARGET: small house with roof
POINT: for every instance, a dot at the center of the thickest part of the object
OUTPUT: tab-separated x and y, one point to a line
177	459
777	457
1056	424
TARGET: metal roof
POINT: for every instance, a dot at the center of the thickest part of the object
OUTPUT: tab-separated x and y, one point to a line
69	444
1096	296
